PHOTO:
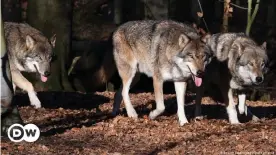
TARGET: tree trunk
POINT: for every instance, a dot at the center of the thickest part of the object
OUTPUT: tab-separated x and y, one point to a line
117	5
225	16
271	14
11	10
156	9
54	17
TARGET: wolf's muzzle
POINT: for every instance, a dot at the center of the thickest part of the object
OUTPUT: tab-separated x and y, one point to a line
200	73
259	79
47	73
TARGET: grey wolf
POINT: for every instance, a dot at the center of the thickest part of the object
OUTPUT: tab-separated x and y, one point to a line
164	50
28	51
238	63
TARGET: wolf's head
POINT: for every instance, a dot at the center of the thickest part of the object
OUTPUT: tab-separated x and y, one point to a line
194	56
251	61
39	56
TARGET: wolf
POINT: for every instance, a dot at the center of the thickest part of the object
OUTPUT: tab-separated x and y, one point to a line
28	51
238	63
164	50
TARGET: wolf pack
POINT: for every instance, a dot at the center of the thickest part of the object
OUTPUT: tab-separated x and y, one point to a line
164	50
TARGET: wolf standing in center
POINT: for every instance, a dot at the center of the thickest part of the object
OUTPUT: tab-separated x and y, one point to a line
164	50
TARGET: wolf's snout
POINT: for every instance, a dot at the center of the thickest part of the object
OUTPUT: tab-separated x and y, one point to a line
47	73
199	73
259	79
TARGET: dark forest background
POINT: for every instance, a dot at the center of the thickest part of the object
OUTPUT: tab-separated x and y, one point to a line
84	27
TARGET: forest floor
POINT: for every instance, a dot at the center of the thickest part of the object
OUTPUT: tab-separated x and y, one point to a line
74	123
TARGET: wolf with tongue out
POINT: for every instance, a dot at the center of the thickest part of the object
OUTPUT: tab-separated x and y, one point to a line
28	51
164	50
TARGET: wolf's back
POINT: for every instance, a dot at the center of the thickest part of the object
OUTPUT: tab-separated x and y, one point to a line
142	32
137	29
221	44
19	31
134	32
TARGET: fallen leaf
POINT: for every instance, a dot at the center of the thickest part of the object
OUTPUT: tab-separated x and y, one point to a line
20	148
200	14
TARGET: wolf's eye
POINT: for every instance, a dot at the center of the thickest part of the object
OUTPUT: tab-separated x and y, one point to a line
263	64
190	55
250	63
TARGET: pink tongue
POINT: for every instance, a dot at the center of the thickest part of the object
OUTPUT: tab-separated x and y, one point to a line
198	81
43	78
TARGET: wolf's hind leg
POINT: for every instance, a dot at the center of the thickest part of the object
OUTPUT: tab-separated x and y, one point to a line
159	99
118	95
127	73
20	81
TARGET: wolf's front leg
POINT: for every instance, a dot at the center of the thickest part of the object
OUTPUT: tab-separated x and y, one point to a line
180	89
243	109
20	81
158	92
231	109
199	95
242	106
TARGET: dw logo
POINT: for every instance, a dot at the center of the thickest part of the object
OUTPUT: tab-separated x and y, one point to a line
29	133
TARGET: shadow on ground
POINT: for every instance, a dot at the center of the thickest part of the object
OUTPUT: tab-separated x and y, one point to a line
66	100
209	111
52	101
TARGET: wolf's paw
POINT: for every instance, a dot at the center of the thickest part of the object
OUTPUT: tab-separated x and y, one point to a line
183	122
153	114
233	119
199	118
255	118
132	113
234	122
34	100
36	103
232	115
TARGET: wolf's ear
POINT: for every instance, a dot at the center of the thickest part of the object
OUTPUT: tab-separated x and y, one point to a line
238	53
53	40
263	46
183	40
30	42
239	48
206	37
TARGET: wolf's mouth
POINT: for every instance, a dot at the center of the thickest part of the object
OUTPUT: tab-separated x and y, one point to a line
42	77
196	79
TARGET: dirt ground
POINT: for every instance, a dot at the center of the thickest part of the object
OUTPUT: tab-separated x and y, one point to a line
74	123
